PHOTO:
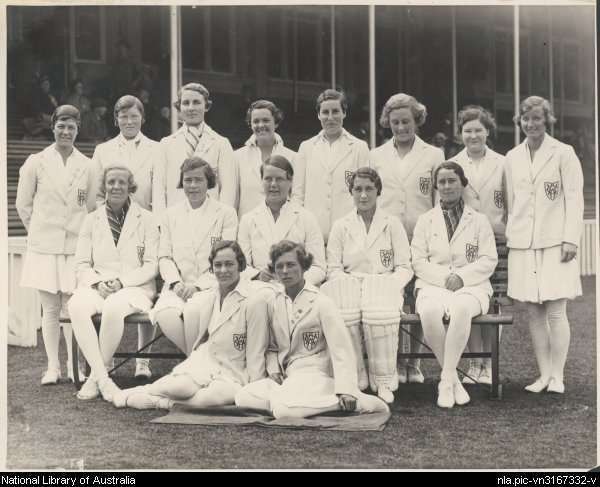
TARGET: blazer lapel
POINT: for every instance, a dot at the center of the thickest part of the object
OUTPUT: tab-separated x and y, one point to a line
232	308
543	155
206	142
55	173
262	223
104	227
465	219
378	225
303	308
140	155
209	216
286	220
487	168
348	144
412	159
132	221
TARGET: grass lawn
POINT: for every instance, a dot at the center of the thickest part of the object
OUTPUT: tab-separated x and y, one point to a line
49	428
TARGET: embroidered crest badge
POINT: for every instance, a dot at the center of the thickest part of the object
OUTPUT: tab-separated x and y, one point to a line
348	176
81	196
425	185
386	256
499	199
471	252
214	240
310	339
239	341
140	253
552	189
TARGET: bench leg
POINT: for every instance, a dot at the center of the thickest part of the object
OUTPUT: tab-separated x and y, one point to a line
75	361
496	387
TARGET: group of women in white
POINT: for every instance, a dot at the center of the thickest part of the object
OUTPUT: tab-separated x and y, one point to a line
281	271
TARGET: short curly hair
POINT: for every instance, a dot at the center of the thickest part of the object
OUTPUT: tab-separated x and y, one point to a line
476	112
530	103
130	179
196	162
269	105
198	88
331	94
367	173
305	258
402	100
227	244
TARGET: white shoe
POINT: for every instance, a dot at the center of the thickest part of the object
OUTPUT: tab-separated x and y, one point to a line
461	396
538	386
556	386
143	400
472	376
142	369
120	397
385	394
485	377
445	394
50	377
108	389
89	390
402	374
415	376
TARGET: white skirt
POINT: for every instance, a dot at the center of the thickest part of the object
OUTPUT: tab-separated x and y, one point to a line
538	275
306	389
49	272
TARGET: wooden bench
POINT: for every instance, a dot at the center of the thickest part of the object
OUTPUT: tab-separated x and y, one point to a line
493	319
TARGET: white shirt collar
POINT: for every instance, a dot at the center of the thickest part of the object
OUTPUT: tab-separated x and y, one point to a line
136	140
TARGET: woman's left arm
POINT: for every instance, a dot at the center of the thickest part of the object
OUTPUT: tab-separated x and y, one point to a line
316	246
572	183
487	257
229	229
403	270
26	190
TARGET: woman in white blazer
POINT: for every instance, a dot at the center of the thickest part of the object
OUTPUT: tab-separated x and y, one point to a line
277	219
230	350
486	193
263	118
545	220
116	271
140	154
406	164
196	138
326	161
56	190
368	250
453	256
188	231
310	361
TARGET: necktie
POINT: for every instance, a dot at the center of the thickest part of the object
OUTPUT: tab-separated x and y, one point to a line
192	137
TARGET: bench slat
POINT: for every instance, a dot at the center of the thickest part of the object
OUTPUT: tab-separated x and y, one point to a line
487	319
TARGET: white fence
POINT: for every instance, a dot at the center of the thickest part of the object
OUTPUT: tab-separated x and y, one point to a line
588	249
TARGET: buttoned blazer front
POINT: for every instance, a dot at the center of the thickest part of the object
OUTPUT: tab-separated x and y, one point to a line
384	251
52	208
470	254
315	340
238	343
407	183
545	199
248	160
214	149
294	223
322	189
146	167
486	194
133	260
185	241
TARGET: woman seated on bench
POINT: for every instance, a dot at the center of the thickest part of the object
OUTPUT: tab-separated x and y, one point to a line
234	316
187	233
116	271
368	265
453	256
311	363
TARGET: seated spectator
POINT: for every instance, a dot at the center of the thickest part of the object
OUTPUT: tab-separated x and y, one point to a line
77	98
161	124
43	104
93	125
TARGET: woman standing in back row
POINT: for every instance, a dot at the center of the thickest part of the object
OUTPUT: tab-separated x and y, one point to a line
545	219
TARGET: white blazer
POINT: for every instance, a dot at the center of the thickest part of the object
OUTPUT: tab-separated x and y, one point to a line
407	183
471	254
237	344
248	159
545	199
383	250
321	188
148	172
295	223
186	238
486	192
132	260
53	199
214	149
314	338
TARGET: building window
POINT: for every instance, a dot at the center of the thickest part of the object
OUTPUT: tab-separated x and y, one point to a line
504	70
88	34
152	33
300	35
207	38
571	70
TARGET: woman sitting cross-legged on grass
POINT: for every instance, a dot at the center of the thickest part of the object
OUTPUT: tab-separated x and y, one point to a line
230	350
453	256
310	361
